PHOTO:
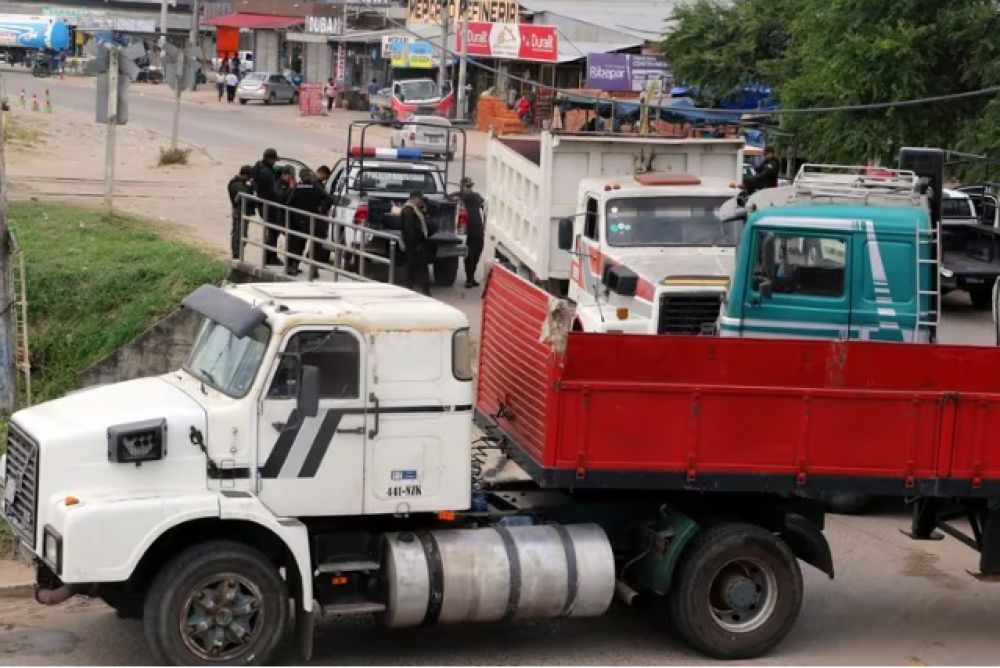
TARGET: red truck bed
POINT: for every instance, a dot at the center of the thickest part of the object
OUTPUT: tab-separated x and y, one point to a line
678	412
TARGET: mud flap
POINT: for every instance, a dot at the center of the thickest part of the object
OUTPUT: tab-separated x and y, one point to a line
304	622
808	543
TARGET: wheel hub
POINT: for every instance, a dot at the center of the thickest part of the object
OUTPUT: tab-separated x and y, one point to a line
222	617
740	592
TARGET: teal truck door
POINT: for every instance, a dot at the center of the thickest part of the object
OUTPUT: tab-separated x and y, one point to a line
799	287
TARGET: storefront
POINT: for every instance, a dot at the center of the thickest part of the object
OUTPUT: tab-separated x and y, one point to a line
268	38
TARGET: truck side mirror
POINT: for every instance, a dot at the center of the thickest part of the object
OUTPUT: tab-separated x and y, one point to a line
307	399
566	234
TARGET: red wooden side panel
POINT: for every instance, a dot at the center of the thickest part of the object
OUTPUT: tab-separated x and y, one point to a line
701	405
515	367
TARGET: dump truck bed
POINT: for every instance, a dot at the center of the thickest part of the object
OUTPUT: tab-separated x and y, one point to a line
713	414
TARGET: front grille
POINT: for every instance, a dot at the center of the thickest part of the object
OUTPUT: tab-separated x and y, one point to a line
688	314
20	494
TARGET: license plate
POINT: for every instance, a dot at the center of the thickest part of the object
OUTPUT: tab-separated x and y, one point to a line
434	137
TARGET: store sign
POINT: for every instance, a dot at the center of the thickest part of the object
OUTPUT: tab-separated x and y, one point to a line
340	73
497	11
409	52
513	41
621	72
324	25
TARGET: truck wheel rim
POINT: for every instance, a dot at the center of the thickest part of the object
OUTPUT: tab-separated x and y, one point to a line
742	595
222	617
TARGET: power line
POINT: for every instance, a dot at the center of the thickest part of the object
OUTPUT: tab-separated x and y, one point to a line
874	106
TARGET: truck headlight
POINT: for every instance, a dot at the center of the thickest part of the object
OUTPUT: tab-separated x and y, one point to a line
52	549
138	441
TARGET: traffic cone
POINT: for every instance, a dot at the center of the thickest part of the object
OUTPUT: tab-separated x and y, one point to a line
34	102
24	104
48	102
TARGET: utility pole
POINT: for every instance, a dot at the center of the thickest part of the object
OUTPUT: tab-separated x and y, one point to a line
463	7
445	21
181	66
163	17
109	148
8	344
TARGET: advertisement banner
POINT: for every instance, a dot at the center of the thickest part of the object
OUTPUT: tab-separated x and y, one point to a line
409	52
621	72
512	41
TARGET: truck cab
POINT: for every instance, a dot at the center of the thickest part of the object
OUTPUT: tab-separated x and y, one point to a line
651	253
840	255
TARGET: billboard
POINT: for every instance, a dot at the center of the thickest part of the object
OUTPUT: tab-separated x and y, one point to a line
622	72
512	41
409	52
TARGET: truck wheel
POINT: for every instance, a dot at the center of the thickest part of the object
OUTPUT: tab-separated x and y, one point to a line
982	298
218	602
445	272
736	593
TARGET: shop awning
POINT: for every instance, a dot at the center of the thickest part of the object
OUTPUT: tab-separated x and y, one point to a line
255	21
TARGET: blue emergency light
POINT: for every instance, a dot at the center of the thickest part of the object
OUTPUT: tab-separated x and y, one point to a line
386	153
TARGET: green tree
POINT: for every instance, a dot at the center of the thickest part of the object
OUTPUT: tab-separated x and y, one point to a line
720	47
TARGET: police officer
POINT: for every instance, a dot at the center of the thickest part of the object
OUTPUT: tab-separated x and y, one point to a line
766	176
308	196
237	185
476	232
413	220
265	186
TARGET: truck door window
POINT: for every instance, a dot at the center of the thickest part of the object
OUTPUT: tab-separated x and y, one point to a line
590	220
337	355
800	265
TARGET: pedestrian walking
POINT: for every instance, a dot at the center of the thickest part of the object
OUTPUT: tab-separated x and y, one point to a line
265	186
414	230
331	93
220	83
234	67
239	184
232	81
476	230
372	92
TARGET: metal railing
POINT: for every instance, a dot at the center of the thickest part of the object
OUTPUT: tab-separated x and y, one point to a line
347	243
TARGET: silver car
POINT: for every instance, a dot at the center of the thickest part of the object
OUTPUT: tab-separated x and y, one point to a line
430	134
268	87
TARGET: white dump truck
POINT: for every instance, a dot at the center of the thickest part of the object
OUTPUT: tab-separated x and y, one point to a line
627	227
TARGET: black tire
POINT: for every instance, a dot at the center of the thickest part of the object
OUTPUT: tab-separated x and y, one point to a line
981	298
188	577
295	98
243	100
849	504
735	561
449	156
445	271
270	99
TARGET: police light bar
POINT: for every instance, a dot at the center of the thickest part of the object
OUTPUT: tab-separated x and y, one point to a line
386	153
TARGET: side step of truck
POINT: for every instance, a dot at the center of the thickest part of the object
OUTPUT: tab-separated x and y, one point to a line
348	566
360	608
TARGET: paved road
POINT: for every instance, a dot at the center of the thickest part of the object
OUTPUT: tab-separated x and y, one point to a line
211	125
893	602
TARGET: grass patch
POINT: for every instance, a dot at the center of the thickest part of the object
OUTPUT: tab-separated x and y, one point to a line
174	156
95	282
18	133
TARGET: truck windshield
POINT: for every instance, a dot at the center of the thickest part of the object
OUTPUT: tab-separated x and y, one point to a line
225	362
418	90
669	221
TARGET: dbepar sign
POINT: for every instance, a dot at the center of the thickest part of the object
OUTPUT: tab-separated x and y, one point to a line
620	72
513	41
497	11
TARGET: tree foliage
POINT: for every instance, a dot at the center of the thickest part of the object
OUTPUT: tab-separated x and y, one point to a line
841	52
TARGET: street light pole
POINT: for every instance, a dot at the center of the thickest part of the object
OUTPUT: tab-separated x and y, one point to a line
445	20
463	52
109	149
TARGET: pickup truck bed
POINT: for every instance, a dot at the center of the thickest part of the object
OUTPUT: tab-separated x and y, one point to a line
751	415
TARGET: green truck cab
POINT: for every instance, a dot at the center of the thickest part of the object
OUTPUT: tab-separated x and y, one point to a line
843	253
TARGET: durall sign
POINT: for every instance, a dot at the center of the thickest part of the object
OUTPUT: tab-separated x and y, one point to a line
512	41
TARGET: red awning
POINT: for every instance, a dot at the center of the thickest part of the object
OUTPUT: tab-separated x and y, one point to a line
253	21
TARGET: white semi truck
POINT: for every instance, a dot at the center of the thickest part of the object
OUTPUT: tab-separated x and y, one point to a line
627	227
